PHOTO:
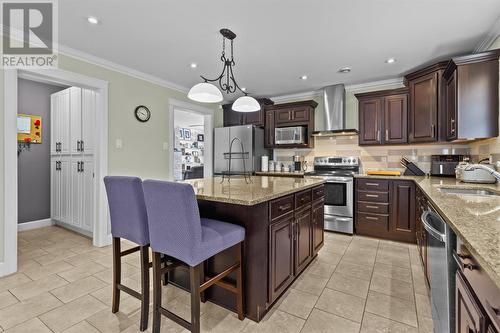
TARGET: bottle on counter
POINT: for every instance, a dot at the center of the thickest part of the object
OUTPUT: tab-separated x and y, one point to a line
264	163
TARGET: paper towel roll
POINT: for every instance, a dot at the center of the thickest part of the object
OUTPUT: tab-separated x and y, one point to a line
264	163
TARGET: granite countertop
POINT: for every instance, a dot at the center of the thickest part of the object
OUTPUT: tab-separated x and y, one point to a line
261	189
280	173
475	219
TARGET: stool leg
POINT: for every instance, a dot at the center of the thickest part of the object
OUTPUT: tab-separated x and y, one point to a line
194	278
156	292
239	283
144	287
117	272
203	298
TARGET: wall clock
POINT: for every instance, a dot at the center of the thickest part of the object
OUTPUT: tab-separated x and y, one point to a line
142	113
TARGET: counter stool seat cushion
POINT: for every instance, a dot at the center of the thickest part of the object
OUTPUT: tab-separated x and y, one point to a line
217	236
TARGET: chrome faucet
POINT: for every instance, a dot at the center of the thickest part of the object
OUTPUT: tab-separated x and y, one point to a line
492	171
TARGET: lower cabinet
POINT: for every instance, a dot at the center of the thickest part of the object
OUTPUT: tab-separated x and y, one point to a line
403	210
469	317
294	239
60	190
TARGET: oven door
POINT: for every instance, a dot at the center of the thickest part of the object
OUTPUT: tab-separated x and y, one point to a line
339	196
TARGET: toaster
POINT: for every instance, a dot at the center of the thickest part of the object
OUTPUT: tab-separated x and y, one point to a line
476	175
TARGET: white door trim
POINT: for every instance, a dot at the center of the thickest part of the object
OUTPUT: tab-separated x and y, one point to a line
209	125
58	77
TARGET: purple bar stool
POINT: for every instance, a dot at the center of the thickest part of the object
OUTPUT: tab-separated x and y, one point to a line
129	221
176	230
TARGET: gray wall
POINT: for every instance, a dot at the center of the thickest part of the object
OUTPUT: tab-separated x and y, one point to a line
34	165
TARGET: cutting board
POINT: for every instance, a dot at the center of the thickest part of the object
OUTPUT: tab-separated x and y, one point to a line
384	173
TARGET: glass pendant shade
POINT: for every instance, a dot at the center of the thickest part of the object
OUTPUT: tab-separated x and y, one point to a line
205	93
246	104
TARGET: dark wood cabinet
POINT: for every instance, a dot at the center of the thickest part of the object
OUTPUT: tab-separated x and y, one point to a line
471	102
303	240
318	225
287	115
403	210
469	316
234	118
383	117
385	209
281	255
420	232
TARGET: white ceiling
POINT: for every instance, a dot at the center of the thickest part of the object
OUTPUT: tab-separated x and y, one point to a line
277	41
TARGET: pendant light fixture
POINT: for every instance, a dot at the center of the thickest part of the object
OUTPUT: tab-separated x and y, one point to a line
207	92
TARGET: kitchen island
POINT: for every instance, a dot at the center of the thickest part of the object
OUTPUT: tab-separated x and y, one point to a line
283	220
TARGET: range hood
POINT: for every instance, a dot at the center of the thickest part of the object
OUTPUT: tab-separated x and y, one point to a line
331	122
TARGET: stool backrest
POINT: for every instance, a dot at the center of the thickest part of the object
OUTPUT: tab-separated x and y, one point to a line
173	217
127	208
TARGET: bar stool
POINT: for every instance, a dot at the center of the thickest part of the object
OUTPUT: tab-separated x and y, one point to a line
129	221
176	230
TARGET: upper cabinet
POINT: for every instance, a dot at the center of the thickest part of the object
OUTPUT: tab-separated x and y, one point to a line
290	115
471	96
257	118
426	102
383	117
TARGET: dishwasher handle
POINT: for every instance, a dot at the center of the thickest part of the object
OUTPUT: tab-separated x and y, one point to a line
434	233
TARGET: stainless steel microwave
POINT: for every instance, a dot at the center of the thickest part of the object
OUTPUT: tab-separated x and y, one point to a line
290	135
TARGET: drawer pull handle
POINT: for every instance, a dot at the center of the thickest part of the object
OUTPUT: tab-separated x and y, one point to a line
372	195
285	207
372	184
373	207
372	218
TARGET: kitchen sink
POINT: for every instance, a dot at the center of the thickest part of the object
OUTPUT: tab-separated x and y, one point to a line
468	191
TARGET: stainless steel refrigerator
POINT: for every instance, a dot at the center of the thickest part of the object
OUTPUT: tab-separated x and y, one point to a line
252	139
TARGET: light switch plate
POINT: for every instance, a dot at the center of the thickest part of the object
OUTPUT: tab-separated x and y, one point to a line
119	144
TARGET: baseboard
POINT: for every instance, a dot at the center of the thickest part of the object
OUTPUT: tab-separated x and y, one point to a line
75	229
35	224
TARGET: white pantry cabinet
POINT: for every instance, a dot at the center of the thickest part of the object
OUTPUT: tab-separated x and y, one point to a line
82	193
60	190
82	110
60	123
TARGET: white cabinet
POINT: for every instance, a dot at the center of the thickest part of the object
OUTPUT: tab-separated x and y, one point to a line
82	110
76	119
60	123
60	190
82	193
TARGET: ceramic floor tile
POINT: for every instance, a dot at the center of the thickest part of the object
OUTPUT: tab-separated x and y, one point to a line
107	274
311	283
376	324
363	272
28	309
83	327
394	308
34	288
392	272
219	320
7	299
78	289
13	281
108	322
341	304
80	272
298	303
32	325
321	269
278	322
36	273
425	325
324	322
391	287
348	285
423	305
52	258
394	261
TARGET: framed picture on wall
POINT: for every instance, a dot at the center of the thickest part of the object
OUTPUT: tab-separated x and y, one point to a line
187	134
200	138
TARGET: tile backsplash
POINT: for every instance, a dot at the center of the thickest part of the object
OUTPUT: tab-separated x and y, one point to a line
372	157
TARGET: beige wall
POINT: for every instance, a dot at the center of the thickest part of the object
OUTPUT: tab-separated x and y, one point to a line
142	152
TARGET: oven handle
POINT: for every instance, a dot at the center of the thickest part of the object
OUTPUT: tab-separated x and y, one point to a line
339	180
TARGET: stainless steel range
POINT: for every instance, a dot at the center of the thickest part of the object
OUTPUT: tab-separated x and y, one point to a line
339	174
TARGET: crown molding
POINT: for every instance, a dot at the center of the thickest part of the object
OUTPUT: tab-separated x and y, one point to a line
298	96
83	56
489	39
374	84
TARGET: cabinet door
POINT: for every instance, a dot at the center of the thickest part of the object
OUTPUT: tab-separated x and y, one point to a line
300	114
403	210
282	116
254	118
281	256
231	118
303	239
269	129
75	110
65	174
76	193
55	123
88	120
370	121
468	315
318	227
64	116
424	108
87	195
451	107
396	119
55	190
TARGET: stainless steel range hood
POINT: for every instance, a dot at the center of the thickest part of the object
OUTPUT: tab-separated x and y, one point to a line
331	121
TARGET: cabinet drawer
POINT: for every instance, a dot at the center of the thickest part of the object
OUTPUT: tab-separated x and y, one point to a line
302	199
318	192
377	208
372	184
281	206
372	221
373	196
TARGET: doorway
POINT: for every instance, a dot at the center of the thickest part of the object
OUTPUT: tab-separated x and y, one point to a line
100	228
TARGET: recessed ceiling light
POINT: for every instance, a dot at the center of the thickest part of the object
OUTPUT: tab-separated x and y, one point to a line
243	89
390	61
303	77
193	65
92	20
344	70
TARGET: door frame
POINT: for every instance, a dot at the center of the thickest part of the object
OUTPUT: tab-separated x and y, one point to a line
101	236
208	115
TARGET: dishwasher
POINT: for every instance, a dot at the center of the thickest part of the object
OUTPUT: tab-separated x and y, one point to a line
441	241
